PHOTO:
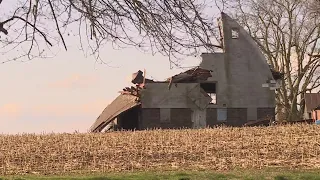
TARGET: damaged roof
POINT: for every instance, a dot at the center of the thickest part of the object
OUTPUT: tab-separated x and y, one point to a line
129	97
122	103
197	74
192	75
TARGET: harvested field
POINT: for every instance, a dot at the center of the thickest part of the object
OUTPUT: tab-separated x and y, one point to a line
290	146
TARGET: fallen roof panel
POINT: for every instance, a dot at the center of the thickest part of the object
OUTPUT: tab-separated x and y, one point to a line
191	75
121	104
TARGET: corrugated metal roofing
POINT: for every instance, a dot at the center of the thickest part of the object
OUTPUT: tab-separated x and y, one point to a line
312	101
121	104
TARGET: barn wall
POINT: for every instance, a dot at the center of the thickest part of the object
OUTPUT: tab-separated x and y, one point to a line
154	118
179	97
150	118
240	72
183	117
264	113
158	95
216	63
211	117
234	116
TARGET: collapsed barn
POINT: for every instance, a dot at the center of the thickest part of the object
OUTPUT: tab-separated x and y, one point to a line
233	88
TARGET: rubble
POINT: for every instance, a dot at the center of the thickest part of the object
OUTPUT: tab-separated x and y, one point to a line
195	74
192	75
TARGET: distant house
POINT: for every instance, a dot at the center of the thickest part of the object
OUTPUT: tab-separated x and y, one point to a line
312	106
232	87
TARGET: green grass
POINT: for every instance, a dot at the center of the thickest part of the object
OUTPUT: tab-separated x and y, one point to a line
235	175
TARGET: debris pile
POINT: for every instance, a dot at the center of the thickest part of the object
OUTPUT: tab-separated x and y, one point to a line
139	80
192	75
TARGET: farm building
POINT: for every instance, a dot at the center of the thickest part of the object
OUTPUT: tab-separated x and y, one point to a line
312	106
231	87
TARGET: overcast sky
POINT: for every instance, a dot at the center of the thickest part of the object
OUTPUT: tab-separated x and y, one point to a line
69	91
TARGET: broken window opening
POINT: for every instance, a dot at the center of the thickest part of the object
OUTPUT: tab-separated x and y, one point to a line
210	89
213	97
234	33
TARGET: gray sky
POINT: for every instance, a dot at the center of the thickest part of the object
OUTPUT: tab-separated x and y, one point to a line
69	91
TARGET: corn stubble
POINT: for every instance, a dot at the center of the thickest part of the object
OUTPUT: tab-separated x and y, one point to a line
290	146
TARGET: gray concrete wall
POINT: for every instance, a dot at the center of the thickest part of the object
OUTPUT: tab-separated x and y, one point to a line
157	95
178	118
216	63
181	95
240	71
246	69
266	113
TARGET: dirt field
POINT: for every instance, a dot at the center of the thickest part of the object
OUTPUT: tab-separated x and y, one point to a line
291	146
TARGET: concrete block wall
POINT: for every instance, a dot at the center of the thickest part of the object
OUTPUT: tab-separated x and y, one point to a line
182	117
212	117
239	73
263	113
179	118
150	118
235	117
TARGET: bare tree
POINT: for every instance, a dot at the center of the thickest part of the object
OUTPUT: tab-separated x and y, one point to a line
288	33
169	27
315	6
